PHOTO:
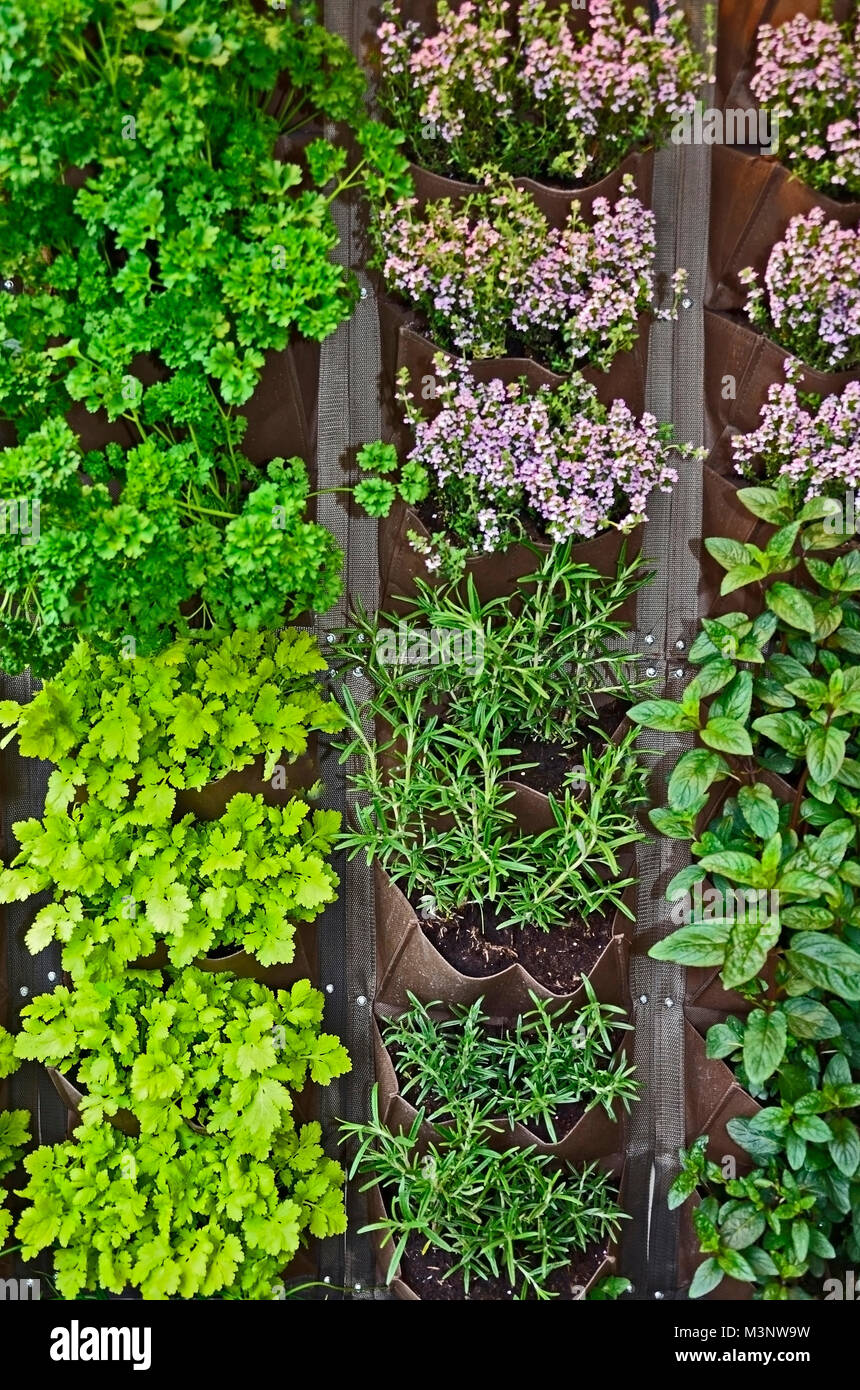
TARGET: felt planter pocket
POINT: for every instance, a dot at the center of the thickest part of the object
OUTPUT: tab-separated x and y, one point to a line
208	803
753	200
408	962
495	574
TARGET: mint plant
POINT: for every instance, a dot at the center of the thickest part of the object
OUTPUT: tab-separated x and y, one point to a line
121	885
135	731
227	1054
176	1215
521	1075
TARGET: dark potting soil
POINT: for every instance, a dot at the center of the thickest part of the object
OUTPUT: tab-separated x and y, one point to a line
425	1272
557	959
554	762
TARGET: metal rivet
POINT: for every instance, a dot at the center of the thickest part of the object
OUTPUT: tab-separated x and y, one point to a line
361	1001
680	645
24	990
658	1294
364	291
52	975
643	998
357	1288
649	640
329	989
327	1279
670	1003
330	638
679	675
651	671
358	673
687	303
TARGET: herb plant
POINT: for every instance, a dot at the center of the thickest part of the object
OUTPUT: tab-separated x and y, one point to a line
510	1213
133	732
468	94
121	885
176	1215
810	300
493	279
808	70
222	1052
538	668
521	1074
504	466
435	814
14	1138
108	570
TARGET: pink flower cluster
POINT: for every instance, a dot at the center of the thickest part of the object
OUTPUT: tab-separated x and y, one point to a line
498	454
808	70
617	82
591	283
493	277
816	448
810	301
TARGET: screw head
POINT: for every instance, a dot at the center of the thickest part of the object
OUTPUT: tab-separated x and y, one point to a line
649	640
23	991
364	292
651	671
357	1288
670	1003
330	638
658	1294
680	645
687	303
643	998
679	675
358	673
361	1001
327	1279
52	975
329	989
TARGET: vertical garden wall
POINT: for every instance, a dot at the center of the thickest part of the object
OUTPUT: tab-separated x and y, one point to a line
428	633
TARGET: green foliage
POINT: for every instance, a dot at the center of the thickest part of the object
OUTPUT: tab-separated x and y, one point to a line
523	1074
222	1052
764	1229
14	1138
178	1215
184	718
541	667
378	494
109	567
188	241
8	1063
120	885
508	1213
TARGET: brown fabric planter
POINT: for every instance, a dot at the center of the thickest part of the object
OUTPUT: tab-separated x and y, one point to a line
495	575
754	199
739	21
123	1120
245	966
210	802
282	413
408	962
754	363
595	1136
554	201
724	515
405	344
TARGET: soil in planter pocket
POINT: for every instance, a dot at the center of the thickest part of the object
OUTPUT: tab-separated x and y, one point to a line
557	959
425	1275
555	762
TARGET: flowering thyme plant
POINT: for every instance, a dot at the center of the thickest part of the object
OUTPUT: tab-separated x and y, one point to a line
494	279
814	446
503	465
810	299
470	92
810	71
